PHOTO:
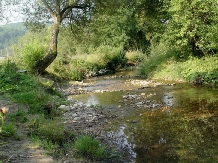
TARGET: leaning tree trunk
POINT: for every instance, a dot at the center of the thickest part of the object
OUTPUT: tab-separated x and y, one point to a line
50	57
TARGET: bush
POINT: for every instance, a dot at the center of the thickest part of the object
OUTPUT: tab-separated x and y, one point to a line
77	66
90	147
112	57
135	56
31	54
159	54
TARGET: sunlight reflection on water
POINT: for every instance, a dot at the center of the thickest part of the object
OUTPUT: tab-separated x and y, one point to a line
120	139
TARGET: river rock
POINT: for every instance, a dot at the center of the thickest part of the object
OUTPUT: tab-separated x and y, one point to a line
77	118
63	107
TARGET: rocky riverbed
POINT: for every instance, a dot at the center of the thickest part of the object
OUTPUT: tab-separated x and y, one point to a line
85	118
94	119
106	85
78	113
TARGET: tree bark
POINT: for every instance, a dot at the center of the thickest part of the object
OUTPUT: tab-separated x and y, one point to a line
52	54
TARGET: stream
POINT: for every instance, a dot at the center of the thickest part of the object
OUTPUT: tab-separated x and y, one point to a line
156	122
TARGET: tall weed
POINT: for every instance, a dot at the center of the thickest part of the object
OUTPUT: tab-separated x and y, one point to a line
157	55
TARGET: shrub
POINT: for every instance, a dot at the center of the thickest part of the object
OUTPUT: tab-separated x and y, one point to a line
151	63
159	54
135	56
90	147
112	57
75	67
31	54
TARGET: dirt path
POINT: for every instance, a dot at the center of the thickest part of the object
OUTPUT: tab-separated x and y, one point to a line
20	150
23	151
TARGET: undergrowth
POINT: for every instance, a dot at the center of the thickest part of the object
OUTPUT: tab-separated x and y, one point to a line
158	55
168	63
198	71
23	88
76	67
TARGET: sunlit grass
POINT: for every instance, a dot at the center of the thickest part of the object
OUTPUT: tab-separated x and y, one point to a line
204	69
90	147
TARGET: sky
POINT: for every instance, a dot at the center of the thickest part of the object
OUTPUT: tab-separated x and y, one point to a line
12	15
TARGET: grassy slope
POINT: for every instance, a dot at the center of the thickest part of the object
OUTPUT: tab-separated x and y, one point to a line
202	70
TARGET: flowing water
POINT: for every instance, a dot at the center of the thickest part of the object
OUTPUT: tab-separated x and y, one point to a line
176	123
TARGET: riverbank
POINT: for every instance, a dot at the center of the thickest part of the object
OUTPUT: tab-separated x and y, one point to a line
52	118
193	70
34	128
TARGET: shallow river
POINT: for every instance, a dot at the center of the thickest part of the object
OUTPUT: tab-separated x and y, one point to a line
166	123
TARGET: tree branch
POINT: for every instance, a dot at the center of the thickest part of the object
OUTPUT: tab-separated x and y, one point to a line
57	5
48	8
69	8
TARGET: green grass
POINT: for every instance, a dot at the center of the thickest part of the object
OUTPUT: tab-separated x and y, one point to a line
23	88
89	147
8	130
171	63
19	116
30	92
204	70
51	135
53	130
51	148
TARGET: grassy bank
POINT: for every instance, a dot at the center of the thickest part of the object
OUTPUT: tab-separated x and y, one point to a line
195	70
36	116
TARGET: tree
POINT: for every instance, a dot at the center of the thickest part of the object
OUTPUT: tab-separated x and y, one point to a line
144	22
40	12
193	25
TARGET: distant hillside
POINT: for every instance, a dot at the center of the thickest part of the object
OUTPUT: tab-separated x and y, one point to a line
13	25
10	33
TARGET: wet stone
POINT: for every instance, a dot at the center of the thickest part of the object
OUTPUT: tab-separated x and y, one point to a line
77	118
